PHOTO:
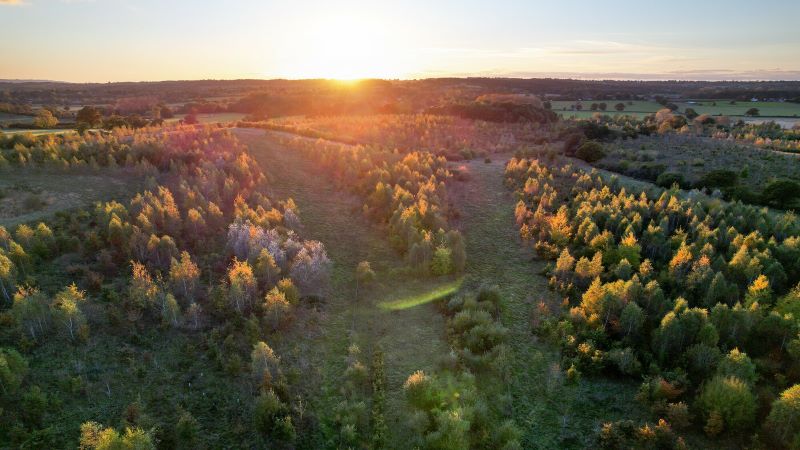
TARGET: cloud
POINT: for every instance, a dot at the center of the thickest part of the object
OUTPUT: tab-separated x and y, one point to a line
11	2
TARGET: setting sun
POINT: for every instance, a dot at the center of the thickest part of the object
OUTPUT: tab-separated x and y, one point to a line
344	47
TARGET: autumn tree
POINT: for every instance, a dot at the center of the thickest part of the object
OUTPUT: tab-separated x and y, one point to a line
184	276
242	285
66	310
364	274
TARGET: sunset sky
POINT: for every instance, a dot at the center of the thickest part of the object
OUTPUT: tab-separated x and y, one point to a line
131	40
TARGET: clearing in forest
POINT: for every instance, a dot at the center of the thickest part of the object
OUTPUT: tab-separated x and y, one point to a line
392	314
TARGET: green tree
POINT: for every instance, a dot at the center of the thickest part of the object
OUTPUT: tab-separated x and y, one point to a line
442	262
732	399
620	107
752	112
783	422
13	369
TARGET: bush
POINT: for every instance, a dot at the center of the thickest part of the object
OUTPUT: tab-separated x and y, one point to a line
718	178
667	179
781	193
590	152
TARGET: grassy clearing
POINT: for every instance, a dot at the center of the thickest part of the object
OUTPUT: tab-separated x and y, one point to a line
550	413
31	194
412	337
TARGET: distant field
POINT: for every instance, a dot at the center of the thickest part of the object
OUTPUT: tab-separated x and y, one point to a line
36	131
211	118
6	118
713	107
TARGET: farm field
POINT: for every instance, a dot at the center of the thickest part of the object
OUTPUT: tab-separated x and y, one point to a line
211	118
784	111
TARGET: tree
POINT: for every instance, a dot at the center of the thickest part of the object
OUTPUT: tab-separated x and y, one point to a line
266	268
264	364
442	262
190	119
95	437
619	107
66	309
242	285
89	116
31	311
603	106
752	112
781	193
590	151
311	269
8	276
783	421
364	275
277	310
184	276
271	417
13	369
187	431
732	399
690	113
45	119
737	364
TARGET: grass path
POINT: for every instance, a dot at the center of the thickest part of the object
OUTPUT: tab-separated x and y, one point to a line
394	314
550	414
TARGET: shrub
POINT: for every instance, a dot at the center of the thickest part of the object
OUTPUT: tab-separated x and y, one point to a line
781	193
718	178
590	151
667	179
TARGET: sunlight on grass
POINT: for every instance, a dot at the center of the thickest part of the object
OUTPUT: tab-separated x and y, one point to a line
438	292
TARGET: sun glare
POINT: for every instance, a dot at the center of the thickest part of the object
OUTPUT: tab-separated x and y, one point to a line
345	47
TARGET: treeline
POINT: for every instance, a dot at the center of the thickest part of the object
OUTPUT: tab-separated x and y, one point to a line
497	112
407	192
698	298
201	252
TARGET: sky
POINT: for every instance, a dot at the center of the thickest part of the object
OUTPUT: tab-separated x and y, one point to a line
143	40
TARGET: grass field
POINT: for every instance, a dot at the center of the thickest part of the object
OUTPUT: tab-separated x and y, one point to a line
722	107
210	118
32	194
6	118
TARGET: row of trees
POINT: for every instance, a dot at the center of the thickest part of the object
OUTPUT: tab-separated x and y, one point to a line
699	298
406	191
